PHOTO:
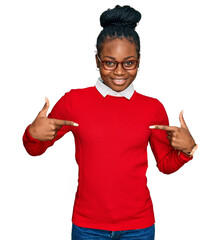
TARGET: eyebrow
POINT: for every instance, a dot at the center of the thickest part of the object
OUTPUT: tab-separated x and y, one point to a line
114	58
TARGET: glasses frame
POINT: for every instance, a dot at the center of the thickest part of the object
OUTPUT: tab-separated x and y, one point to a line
137	61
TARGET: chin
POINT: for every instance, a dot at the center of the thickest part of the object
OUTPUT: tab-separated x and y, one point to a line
119	88
117	85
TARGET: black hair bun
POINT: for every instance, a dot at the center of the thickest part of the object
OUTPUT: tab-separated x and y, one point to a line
125	16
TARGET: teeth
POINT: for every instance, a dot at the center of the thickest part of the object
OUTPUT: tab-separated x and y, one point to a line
119	80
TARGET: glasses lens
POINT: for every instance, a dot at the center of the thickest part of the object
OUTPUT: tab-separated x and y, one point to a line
109	65
129	64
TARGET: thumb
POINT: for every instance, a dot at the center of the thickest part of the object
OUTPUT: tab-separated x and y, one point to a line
182	121
43	112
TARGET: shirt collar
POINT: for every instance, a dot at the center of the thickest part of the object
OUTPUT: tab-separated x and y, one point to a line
105	90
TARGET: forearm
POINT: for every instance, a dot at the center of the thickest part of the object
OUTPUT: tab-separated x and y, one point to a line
33	146
49	129
172	161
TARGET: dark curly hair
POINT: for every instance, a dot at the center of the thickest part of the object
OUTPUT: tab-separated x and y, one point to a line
119	22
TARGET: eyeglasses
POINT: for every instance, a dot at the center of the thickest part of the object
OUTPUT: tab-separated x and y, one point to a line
112	65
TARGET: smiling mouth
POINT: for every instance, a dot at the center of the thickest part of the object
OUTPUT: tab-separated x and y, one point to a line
117	81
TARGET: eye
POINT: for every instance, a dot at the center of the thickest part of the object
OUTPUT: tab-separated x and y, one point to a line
109	63
129	63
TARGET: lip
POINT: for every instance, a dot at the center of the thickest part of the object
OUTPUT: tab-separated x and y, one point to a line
123	81
119	78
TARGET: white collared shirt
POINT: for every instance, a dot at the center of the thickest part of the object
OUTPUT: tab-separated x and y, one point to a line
106	90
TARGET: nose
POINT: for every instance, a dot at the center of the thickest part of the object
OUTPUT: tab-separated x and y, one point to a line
119	70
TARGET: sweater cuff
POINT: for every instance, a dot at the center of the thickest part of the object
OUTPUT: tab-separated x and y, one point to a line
184	157
29	137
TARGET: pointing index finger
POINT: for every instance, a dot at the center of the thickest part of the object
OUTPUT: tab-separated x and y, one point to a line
64	122
163	127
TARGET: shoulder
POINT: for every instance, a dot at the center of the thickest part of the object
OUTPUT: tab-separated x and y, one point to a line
79	92
154	108
149	100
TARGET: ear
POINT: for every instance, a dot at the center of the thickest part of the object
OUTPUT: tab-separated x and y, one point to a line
97	61
139	59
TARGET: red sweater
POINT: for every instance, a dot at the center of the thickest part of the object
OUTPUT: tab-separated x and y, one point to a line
111	152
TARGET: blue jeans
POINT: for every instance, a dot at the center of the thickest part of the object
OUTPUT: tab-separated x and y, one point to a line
82	233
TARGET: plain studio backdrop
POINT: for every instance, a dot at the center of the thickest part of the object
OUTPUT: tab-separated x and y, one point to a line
46	49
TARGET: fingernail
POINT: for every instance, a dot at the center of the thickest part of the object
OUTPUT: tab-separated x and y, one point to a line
46	100
75	124
182	111
152	127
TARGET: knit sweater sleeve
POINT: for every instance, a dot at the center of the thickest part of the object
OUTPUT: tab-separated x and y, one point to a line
61	111
168	159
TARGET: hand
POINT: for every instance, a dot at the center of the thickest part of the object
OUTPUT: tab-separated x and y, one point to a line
44	128
179	137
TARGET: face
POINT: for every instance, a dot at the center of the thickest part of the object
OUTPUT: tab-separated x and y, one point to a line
117	50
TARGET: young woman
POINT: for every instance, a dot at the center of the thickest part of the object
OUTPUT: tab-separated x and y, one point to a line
112	125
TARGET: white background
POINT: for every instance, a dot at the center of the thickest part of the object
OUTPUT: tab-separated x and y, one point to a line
46	49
